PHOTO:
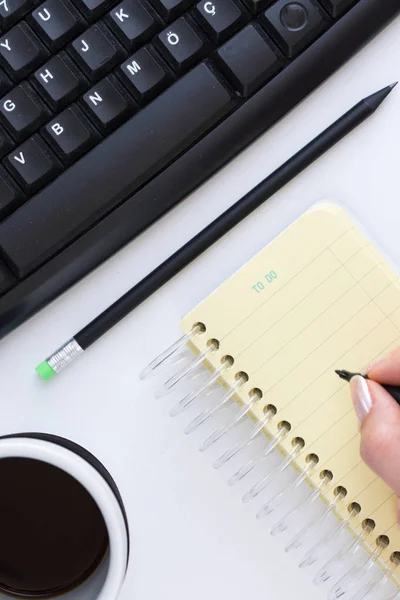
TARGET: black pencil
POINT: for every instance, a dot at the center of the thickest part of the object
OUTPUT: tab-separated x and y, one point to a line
212	233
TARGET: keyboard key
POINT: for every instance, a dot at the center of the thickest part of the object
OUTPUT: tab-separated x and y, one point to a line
57	22
96	51
22	111
12	10
294	25
6	143
107	104
5	83
256	6
92	9
21	51
32	164
59	81
7	279
337	8
132	23
166	127
70	134
11	196
171	9
182	45
143	75
220	18
248	61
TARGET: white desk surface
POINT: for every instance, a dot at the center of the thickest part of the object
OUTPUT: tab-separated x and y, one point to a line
191	535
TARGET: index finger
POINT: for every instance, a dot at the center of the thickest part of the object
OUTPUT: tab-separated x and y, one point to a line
386	369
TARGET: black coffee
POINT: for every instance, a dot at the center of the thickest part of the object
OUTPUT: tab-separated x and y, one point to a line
52	533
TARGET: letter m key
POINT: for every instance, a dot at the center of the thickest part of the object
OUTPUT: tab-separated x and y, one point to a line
133	68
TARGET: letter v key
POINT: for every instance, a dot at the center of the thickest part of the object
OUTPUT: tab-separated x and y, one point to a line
20	158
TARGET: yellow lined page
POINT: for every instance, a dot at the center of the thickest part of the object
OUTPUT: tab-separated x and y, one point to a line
319	297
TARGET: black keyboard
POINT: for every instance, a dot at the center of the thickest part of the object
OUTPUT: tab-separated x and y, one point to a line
112	112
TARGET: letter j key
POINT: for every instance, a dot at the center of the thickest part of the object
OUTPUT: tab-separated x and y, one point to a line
96	51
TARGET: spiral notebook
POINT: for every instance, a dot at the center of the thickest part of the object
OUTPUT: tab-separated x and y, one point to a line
319	297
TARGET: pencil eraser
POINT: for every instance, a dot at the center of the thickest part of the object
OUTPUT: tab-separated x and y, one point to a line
45	371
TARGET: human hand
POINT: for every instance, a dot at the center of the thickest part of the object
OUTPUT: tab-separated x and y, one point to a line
379	415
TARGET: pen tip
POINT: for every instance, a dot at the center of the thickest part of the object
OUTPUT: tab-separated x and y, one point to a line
346	375
343	374
393	85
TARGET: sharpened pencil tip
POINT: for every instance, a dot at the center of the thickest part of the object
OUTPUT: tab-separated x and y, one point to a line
375	100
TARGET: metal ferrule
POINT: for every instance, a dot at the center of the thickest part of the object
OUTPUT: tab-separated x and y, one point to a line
64	355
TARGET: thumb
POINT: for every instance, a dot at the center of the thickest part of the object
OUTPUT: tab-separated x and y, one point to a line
379	415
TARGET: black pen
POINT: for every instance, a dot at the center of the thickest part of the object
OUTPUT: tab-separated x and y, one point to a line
212	233
393	390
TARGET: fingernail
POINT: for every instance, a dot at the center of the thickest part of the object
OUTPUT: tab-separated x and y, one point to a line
361	397
398	510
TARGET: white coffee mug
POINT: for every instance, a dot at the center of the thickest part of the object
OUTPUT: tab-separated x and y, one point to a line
106	581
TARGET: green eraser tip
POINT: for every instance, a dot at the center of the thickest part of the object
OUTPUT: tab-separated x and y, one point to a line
45	371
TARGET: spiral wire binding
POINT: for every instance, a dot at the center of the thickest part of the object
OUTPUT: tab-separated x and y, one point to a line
370	590
301	508
356	573
172	353
363	580
188	371
263	455
269	507
269	413
254	396
309	529
324	546
205	389
349	553
298	445
206	414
